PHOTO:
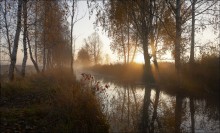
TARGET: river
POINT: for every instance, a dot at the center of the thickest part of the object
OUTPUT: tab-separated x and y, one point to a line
122	105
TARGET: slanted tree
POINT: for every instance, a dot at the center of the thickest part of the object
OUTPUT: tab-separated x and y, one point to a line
7	27
16	40
71	35
31	55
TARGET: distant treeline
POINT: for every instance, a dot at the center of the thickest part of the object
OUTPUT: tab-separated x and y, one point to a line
202	81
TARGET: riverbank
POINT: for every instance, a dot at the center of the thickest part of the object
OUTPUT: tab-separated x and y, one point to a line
49	102
203	81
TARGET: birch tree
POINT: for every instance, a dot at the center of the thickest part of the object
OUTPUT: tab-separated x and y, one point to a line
16	40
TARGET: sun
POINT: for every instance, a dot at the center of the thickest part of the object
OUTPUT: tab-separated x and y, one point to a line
139	58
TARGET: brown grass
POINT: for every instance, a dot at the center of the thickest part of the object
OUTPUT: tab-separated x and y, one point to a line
50	102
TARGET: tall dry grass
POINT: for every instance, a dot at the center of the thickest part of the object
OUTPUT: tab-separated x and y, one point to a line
58	97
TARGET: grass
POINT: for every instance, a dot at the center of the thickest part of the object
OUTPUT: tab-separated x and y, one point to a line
49	102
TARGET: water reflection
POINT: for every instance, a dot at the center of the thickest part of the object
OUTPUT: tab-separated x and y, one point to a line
123	108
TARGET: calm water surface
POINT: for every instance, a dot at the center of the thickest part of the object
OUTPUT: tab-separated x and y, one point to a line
122	104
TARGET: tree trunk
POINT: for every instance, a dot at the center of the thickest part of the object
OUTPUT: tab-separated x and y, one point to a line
48	61
153	45
192	113
153	49
35	34
179	98
71	37
147	80
31	56
192	109
157	95
44	54
178	36
148	77
192	33
16	40
128	53
44	37
135	49
155	106
123	44
128	107
123	105
178	113
7	31
24	38
135	101
8	36
145	127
